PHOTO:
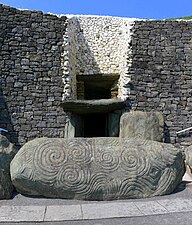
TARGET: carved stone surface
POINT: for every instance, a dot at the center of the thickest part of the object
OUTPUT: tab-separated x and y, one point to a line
97	168
7	152
145	125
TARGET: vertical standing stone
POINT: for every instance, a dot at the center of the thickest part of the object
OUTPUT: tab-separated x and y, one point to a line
144	125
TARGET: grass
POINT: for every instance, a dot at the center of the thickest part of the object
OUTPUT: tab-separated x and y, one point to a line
181	18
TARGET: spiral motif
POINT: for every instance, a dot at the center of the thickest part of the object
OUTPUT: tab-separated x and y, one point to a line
80	151
73	177
136	188
96	168
134	162
49	156
102	186
107	161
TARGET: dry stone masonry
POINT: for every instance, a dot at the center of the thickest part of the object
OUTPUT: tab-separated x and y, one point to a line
161	74
31	86
41	56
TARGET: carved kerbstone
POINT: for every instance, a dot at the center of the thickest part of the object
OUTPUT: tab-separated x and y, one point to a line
97	168
7	152
145	125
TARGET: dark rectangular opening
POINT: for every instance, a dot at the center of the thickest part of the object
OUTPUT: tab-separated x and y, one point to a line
97	90
97	86
95	125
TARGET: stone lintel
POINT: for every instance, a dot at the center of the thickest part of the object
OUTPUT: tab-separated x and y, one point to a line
100	77
92	106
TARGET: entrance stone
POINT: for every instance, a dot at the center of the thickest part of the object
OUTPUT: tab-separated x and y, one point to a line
97	168
144	125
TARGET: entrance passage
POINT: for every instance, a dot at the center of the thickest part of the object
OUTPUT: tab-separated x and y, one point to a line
95	125
97	90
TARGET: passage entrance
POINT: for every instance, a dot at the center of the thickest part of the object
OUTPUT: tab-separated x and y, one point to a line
95	125
96	111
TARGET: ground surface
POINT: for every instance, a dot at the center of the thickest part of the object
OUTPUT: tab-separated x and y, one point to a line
167	210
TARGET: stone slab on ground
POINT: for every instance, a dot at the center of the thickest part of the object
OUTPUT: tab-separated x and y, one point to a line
22	213
64	212
112	210
176	205
83	212
151	208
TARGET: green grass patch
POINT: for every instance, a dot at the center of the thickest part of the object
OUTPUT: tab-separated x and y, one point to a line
181	18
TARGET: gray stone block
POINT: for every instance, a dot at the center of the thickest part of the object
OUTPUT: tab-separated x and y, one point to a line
62	213
97	168
151	208
188	156
144	125
176	205
7	152
22	213
110	210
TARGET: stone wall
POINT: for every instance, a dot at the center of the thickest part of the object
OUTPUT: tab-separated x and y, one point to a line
161	74
31	44
41	54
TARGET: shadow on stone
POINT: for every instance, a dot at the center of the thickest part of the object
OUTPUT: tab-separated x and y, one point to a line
167	138
6	120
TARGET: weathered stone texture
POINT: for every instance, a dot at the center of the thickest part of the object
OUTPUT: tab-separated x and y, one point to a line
97	168
161	77
144	125
7	152
93	106
31	75
188	156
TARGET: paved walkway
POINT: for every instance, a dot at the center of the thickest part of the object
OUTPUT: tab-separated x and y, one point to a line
34	213
27	209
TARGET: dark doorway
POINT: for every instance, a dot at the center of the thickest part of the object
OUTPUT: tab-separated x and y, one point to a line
95	125
97	90
97	86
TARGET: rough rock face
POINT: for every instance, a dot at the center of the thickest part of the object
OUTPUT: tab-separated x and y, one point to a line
7	152
145	125
92	106
188	156
96	168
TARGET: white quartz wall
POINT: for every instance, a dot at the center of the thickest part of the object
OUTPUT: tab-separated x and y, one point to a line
103	48
69	59
97	45
125	58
